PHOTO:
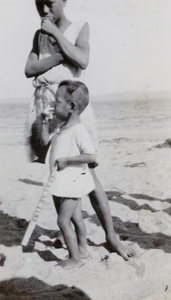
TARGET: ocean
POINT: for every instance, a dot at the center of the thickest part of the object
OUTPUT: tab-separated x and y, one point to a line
119	119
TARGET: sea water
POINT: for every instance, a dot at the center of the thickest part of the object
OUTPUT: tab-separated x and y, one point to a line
130	119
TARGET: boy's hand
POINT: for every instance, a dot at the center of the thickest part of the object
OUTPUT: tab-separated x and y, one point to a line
48	26
61	163
48	114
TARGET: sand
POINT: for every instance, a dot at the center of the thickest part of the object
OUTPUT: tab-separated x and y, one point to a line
139	190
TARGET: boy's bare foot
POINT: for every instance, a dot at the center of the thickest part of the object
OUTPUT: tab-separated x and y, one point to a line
118	247
70	263
84	254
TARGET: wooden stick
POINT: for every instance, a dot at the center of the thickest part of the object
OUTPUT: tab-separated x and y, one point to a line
37	211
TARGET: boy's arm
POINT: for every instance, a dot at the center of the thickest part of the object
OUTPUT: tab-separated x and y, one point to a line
34	66
45	133
47	115
87	151
78	54
63	162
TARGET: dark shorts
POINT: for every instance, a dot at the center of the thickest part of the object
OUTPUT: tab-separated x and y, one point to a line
93	165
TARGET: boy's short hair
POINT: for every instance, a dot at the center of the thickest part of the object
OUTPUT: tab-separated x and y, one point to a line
81	97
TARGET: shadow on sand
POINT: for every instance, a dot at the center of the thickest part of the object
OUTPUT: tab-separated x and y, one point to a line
129	231
34	289
117	197
13	229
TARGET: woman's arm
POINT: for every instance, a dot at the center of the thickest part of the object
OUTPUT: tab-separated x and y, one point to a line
78	54
34	66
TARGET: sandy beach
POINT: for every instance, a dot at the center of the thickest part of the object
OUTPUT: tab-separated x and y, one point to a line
135	170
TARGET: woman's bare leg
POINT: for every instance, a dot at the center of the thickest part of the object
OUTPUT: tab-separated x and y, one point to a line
100	204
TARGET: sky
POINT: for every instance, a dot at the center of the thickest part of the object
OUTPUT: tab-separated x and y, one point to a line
130	42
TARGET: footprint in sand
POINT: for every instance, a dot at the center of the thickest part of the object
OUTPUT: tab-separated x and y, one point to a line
140	270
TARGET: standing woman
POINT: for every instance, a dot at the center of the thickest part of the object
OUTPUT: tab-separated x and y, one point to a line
61	51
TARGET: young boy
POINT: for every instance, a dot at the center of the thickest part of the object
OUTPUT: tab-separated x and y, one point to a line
70	151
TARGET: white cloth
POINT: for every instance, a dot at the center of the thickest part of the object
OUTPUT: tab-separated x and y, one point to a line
76	180
65	70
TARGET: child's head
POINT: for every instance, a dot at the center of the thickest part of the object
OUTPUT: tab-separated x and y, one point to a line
71	96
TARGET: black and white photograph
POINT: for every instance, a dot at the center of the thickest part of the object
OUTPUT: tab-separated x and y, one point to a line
85	150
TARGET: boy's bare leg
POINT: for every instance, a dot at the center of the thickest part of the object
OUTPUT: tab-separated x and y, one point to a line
80	229
100	204
65	210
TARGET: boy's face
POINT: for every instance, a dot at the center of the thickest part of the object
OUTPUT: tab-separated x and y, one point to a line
50	8
62	107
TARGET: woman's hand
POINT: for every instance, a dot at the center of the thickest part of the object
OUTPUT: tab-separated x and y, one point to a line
48	26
